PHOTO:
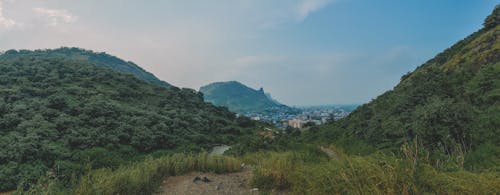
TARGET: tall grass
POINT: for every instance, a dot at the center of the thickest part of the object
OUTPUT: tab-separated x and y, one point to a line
378	173
144	177
273	170
305	171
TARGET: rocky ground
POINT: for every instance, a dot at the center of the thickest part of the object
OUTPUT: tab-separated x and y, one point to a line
195	183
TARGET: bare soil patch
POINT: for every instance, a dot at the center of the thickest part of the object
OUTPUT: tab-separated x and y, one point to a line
195	183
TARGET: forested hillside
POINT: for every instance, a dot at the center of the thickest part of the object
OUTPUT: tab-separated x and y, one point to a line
64	114
72	125
238	97
100	59
450	104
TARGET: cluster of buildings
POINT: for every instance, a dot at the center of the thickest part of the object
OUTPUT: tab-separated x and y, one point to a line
300	117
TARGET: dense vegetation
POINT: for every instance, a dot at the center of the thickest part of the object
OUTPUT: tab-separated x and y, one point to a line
434	133
310	171
63	114
240	98
450	104
99	59
303	170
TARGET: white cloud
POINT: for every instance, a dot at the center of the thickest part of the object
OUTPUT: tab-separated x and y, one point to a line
5	23
54	16
306	7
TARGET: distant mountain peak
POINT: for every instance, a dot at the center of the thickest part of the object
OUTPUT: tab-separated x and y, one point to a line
238	97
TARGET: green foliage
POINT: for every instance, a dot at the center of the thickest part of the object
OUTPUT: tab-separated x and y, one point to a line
273	170
355	146
145	177
139	178
240	98
250	144
59	112
485	156
244	121
98	157
377	173
100	59
62	117
451	103
493	19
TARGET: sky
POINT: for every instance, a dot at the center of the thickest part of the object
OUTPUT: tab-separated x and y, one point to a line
304	52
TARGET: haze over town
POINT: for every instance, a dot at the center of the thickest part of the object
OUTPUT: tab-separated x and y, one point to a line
304	52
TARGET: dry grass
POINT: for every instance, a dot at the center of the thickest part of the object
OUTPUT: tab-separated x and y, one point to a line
375	174
142	178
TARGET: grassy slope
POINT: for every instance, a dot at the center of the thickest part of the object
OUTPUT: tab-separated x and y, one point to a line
140	178
450	103
310	172
302	171
436	132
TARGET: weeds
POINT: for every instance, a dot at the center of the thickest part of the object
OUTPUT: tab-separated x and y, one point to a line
378	173
140	178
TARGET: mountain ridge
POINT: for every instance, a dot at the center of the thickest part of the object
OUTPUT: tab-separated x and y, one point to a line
238	97
450	104
100	59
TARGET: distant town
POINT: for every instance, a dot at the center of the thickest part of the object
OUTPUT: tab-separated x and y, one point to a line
299	117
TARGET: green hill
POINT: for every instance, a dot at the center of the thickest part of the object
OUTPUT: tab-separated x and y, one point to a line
239	98
436	132
99	59
62	114
450	104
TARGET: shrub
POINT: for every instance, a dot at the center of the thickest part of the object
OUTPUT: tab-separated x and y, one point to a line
139	178
378	173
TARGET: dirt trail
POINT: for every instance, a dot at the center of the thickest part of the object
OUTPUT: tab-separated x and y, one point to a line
232	183
330	153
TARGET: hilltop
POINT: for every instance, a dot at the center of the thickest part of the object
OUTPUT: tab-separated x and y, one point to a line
239	98
99	59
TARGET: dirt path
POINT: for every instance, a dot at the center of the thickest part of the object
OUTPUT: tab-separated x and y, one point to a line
232	183
219	150
330	153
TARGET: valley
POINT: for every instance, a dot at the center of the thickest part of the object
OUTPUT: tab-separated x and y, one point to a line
76	121
258	105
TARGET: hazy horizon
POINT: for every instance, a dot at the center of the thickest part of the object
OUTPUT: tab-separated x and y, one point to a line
303	52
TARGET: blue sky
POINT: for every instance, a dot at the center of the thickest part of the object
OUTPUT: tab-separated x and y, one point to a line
304	52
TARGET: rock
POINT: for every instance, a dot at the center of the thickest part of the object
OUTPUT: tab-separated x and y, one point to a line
205	179
220	186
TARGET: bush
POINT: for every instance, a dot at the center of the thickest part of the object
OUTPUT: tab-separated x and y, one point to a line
377	173
140	178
